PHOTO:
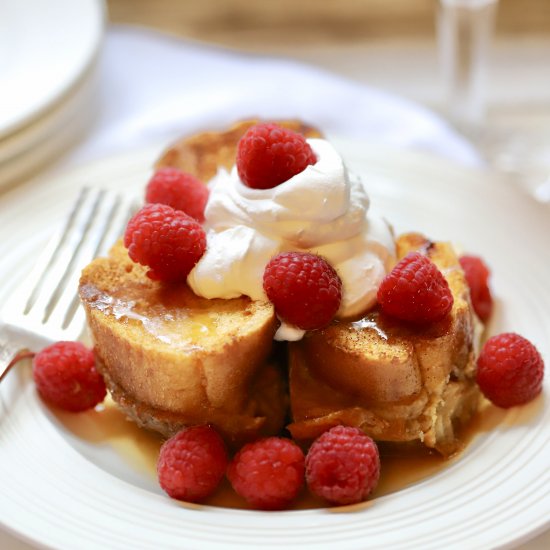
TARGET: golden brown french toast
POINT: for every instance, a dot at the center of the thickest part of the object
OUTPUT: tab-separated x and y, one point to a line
171	358
395	382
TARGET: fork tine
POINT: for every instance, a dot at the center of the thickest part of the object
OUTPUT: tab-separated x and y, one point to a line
108	226
127	208
95	229
54	278
45	307
98	222
46	261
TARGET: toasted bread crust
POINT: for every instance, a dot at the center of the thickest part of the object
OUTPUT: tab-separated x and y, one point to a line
395	382
204	153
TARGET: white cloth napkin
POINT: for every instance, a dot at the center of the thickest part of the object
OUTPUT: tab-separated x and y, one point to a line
154	87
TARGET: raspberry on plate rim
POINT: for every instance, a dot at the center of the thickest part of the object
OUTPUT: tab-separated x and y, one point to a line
510	370
66	377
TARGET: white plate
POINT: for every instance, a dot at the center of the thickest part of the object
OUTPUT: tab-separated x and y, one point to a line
73	106
24	152
66	491
44	49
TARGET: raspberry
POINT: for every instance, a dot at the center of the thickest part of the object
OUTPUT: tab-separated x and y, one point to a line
179	190
168	241
477	275
509	370
415	291
343	466
304	288
268	473
268	155
65	376
192	463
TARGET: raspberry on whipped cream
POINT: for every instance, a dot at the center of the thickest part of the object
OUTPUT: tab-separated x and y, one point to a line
323	210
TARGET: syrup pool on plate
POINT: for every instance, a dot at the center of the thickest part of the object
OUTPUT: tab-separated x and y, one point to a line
137	450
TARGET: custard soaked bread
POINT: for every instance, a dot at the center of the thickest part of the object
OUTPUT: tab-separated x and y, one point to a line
171	358
394	382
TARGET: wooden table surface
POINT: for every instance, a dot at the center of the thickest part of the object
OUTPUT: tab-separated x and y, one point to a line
264	25
390	44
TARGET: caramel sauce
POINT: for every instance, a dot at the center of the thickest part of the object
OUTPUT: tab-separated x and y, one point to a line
138	449
106	425
167	319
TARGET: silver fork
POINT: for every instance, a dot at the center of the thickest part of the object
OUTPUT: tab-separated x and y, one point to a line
45	307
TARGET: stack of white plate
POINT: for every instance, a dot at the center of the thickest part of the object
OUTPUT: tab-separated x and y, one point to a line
48	57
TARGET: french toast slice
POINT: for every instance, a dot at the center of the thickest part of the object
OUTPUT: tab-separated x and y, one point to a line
395	382
171	358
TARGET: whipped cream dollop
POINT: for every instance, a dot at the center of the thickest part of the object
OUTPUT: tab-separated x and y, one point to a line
324	210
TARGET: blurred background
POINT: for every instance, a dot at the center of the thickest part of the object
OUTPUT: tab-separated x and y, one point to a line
483	65
389	44
465	79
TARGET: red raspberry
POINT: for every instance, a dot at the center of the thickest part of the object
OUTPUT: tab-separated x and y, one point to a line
65	376
179	190
192	463
268	473
477	275
304	288
268	155
343	466
415	291
509	370
168	241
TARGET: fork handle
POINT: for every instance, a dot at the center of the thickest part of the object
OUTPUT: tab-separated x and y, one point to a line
8	353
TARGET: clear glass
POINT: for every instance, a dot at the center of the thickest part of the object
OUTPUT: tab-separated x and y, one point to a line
465	29
520	152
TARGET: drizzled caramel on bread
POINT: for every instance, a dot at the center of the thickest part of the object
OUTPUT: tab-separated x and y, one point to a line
171	358
394	381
